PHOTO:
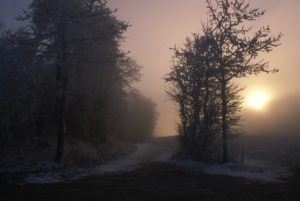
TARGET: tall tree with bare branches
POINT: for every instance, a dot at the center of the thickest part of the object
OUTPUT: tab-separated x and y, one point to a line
236	49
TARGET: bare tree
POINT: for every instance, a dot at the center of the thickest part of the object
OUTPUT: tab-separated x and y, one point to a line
195	90
203	71
235	50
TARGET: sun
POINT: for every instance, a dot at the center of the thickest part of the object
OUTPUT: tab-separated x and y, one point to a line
257	100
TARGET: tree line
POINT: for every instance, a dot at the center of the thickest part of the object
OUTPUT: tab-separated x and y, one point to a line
204	73
64	78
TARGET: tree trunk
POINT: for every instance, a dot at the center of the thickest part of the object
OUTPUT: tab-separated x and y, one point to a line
197	152
184	140
61	94
183	116
224	122
60	111
206	132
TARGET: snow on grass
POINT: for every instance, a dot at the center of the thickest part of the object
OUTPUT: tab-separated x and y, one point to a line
252	170
156	151
43	178
43	166
145	152
75	173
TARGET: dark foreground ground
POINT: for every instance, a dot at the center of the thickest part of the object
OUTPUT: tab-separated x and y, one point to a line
155	182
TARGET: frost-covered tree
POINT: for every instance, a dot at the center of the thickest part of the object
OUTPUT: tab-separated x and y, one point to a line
62	28
72	68
236	49
202	73
197	92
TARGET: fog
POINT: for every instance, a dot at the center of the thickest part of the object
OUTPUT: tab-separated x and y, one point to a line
158	25
84	111
281	118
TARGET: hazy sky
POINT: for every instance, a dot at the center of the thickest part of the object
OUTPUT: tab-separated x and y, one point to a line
158	25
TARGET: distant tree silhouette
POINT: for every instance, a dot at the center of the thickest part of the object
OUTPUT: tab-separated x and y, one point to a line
141	118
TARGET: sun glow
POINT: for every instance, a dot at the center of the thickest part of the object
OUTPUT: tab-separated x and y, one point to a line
258	100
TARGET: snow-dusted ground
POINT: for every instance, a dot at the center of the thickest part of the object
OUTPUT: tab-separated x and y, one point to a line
251	169
153	151
156	151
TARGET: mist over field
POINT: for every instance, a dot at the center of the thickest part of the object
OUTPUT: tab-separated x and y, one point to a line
281	118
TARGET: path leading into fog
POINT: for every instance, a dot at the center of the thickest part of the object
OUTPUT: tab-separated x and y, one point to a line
155	150
162	150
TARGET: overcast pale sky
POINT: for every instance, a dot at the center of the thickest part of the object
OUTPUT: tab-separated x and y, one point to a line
158	25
